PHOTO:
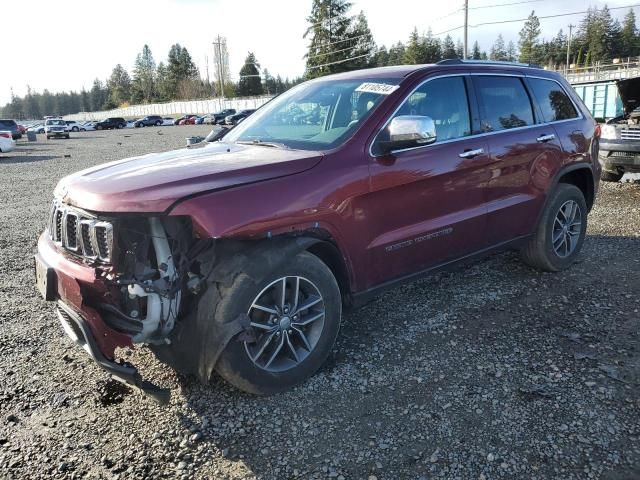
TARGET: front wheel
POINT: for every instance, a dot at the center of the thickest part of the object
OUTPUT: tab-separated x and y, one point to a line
295	316
561	230
75	129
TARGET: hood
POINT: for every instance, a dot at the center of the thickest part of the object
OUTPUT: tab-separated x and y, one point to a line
152	183
629	93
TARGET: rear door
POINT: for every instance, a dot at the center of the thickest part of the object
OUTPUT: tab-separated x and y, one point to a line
426	204
523	150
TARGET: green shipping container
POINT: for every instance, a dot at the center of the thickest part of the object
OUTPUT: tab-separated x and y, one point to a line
601	98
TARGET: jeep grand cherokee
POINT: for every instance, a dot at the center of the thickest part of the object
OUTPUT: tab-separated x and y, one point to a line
239	255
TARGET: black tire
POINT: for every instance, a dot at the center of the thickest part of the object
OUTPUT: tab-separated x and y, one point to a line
98	127
158	123
539	252
235	365
120	126
611	176
75	129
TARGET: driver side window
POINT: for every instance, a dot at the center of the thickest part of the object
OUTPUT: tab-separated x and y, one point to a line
445	101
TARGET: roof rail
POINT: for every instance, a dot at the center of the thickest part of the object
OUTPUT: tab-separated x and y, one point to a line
459	61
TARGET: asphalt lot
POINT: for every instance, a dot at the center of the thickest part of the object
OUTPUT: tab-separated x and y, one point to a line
495	371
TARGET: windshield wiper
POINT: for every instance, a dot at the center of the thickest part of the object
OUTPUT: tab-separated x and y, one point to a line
261	143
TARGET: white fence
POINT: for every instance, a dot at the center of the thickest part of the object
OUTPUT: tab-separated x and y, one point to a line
174	108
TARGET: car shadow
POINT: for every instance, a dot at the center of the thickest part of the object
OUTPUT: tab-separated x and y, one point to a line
5	160
367	386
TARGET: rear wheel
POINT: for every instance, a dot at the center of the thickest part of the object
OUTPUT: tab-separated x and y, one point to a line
158	123
75	129
561	231
295	315
611	176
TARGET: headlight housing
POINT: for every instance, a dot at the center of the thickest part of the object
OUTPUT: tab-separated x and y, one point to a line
609	132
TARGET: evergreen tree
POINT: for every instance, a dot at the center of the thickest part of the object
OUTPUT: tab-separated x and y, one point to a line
629	35
97	96
529	39
143	84
180	68
498	50
396	54
459	49
381	58
163	87
250	83
415	51
363	45
433	49
448	48
512	54
330	39
119	85
475	52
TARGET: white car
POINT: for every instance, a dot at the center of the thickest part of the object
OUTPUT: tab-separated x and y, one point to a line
56	127
7	143
74	126
168	121
88	126
37	128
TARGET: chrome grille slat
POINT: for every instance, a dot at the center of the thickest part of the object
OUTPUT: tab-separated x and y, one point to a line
630	134
79	233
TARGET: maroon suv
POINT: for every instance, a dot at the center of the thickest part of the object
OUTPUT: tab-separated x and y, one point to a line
239	255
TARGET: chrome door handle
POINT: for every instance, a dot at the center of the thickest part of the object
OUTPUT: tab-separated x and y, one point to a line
545	138
471	153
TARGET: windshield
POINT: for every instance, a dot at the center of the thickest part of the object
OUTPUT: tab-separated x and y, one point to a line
317	115
56	122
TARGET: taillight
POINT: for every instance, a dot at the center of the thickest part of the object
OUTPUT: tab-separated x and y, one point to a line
5	134
597	131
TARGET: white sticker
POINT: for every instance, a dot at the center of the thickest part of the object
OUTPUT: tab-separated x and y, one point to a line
379	88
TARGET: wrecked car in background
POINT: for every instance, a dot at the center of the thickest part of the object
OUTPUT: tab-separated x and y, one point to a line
620	139
237	256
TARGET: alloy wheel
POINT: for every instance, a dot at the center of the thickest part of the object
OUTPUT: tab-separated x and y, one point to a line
287	318
566	230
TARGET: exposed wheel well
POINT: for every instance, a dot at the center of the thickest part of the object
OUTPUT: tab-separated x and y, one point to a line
583	179
331	256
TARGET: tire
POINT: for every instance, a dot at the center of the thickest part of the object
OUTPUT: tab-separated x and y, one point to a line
75	129
235	365
611	176
68	137
119	126
98	127
48	137
158	123
539	252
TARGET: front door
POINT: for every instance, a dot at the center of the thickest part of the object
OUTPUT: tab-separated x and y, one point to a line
426	203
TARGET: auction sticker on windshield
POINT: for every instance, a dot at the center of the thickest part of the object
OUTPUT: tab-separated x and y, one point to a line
379	88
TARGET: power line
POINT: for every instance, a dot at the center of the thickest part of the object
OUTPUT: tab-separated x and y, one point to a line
499	22
504	4
339	61
344	40
338	51
547	16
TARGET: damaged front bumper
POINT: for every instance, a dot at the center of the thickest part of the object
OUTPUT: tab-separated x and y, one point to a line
66	280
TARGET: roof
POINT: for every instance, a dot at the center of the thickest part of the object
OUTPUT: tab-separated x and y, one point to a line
401	71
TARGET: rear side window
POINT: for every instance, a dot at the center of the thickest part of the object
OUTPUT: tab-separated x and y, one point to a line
504	103
554	103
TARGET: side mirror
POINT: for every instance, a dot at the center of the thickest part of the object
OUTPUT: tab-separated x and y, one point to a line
406	131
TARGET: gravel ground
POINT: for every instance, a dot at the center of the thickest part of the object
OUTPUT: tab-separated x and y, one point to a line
496	371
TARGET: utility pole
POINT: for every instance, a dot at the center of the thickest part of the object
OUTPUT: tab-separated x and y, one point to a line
218	51
206	62
466	29
569	46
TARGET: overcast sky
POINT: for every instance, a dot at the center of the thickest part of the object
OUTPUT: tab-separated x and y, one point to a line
67	48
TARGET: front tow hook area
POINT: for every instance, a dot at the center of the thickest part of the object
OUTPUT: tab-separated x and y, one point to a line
77	329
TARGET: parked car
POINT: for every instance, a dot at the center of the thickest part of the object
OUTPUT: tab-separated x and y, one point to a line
56	128
7	143
149	121
37	128
74	126
111	123
22	130
407	170
219	117
200	120
620	142
190	120
12	126
89	126
238	117
180	120
168	121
